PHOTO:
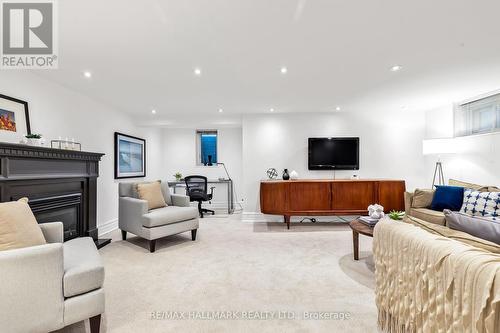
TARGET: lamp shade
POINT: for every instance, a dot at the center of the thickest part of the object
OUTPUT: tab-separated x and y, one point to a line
439	146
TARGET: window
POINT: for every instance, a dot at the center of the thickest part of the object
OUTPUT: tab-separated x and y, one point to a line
478	116
206	143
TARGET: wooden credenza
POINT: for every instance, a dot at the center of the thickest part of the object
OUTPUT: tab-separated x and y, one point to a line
316	197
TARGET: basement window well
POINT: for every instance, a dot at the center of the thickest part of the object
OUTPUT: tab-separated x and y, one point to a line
206	147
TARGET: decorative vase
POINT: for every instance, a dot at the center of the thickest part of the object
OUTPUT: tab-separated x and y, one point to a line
286	176
294	175
34	142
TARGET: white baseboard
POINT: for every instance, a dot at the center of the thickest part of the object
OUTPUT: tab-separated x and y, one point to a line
107	227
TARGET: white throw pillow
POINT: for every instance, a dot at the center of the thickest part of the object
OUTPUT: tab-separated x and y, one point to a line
485	204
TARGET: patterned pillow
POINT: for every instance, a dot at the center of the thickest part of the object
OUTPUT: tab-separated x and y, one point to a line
481	203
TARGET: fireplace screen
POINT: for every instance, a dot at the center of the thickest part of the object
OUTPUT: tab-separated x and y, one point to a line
65	208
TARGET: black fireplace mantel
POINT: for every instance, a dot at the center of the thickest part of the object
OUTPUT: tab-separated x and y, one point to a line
47	176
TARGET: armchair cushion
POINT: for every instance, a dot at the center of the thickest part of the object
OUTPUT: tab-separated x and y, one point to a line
130	190
83	269
18	226
151	192
168	215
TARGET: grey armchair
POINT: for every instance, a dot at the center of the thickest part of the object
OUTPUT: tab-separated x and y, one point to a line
134	216
47	287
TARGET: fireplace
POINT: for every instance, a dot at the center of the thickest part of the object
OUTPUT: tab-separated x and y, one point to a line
65	208
61	185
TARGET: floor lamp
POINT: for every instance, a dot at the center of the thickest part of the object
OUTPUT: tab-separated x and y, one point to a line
438	171
232	185
438	147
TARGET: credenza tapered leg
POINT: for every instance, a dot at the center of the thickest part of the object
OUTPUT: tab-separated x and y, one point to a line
287	221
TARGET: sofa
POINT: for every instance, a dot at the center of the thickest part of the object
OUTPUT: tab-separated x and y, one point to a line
426	282
47	287
135	217
422	209
431	278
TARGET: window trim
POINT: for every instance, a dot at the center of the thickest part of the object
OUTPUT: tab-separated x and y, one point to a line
198	134
469	129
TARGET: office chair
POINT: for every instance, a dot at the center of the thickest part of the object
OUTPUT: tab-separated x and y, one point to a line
197	190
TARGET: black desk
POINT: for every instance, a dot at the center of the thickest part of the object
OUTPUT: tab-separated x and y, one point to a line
228	182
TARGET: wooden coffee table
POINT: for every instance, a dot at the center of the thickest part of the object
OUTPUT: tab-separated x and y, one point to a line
359	228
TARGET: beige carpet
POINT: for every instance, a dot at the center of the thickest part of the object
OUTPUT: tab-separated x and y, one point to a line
257	268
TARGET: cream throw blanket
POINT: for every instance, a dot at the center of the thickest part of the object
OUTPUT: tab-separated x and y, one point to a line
429	283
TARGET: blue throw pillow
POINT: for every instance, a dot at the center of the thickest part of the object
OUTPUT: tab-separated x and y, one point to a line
448	197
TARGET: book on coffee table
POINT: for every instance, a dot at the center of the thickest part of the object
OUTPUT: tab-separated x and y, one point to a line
368	220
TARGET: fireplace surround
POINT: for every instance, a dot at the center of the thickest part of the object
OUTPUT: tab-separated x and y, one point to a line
61	185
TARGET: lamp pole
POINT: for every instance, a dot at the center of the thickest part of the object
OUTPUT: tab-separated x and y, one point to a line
231	196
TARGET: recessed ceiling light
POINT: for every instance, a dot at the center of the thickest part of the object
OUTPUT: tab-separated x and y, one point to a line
197	71
284	70
337	108
220	110
396	68
153	111
271	109
87	74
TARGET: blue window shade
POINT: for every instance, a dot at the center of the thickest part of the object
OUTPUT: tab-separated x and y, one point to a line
208	148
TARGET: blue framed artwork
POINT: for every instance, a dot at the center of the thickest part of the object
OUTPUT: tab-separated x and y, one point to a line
130	156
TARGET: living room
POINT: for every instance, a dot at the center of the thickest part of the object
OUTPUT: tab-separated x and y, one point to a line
119	104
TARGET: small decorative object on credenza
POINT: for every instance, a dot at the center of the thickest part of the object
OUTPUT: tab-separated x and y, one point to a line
294	175
375	213
66	144
14	119
272	173
130	156
285	176
178	176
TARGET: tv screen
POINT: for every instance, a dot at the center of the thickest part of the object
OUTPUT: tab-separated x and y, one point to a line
333	153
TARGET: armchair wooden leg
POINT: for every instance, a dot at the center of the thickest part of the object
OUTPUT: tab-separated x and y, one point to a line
152	245
193	234
95	324
124	235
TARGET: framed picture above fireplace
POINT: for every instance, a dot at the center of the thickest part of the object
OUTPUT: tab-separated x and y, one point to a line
130	156
14	119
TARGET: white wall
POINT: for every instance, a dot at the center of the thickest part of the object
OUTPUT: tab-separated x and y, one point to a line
57	111
390	146
478	156
179	155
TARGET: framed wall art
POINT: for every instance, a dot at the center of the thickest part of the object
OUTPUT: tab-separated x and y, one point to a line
130	156
14	119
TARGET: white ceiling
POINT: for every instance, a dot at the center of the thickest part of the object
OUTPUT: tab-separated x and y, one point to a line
338	52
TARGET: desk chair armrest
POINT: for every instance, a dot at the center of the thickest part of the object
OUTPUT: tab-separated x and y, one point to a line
180	200
53	232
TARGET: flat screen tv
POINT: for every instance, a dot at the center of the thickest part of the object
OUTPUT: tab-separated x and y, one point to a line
333	153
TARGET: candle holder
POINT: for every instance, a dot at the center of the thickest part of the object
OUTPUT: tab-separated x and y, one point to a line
66	145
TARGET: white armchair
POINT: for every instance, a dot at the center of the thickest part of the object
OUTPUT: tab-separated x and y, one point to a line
44	288
134	216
